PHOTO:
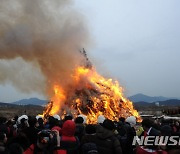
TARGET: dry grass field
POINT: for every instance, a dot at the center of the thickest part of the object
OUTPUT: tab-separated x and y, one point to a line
32	110
11	111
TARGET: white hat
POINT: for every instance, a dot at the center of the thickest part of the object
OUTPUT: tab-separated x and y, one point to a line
100	119
21	117
131	120
38	116
56	116
84	118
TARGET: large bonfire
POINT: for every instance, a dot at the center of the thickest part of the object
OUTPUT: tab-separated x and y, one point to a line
92	95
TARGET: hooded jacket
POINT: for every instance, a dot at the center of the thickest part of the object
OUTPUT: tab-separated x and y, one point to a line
68	131
107	142
68	141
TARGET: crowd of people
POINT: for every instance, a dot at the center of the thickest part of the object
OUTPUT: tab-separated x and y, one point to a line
53	135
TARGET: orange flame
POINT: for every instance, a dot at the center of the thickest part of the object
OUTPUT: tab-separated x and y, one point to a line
93	96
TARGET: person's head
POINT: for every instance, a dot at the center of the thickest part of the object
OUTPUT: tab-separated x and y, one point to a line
108	124
57	117
122	119
32	121
156	121
79	120
25	117
177	123
84	117
3	138
131	120
44	138
47	139
90	129
40	121
100	119
68	117
10	123
68	128
147	123
52	122
24	122
3	120
15	118
38	117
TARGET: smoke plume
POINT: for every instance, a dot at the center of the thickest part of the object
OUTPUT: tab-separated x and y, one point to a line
47	34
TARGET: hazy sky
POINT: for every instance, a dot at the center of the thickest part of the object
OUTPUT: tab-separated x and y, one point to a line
136	42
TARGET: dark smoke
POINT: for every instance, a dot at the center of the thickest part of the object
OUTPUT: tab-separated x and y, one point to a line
47	34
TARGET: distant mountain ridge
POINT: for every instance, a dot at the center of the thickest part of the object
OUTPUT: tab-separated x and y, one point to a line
7	104
139	98
171	102
33	101
144	98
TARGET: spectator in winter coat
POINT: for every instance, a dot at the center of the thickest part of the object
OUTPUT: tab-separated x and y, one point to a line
149	131
40	122
3	127
55	123
21	139
147	125
90	134
31	131
23	124
88	142
106	140
79	127
12	131
131	132
176	126
68	141
126	134
47	143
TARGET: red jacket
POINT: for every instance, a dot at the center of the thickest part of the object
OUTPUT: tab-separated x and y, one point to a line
30	150
68	131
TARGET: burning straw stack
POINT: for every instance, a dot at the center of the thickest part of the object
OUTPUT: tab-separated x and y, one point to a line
93	95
